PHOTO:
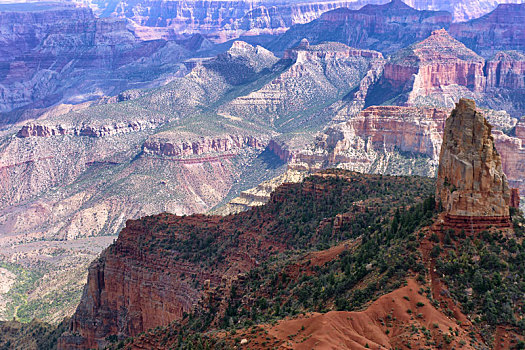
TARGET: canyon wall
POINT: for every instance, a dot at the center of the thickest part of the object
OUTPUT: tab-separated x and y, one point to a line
163	282
501	29
435	71
370	141
385	28
66	54
223	20
403	140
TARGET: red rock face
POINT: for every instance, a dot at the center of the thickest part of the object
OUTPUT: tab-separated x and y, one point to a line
506	70
471	181
134	286
436	62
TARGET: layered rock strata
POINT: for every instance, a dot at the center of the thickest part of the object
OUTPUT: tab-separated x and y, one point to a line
223	20
428	68
369	141
501	29
471	184
57	53
385	28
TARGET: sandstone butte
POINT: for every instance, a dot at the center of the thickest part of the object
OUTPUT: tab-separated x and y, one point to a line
471	185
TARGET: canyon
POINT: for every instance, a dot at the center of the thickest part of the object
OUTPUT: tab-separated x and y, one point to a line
61	54
184	124
226	20
117	51
235	282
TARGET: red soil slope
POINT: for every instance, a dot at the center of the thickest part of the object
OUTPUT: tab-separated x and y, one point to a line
386	323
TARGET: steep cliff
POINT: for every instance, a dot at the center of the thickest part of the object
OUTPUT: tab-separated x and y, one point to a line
403	140
385	28
374	140
429	69
501	29
435	71
164	265
506	70
470	179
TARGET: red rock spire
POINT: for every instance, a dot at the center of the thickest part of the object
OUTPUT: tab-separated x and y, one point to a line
471	181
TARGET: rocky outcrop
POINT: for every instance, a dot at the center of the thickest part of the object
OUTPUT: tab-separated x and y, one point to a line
203	145
164	265
471	181
44	130
404	140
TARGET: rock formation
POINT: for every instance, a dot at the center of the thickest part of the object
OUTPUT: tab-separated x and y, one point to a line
506	70
501	29
471	182
64	53
372	142
385	28
310	78
220	21
425	72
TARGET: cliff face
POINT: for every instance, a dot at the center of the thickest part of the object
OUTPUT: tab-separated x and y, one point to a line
158	288
429	67
470	180
402	140
436	70
385	28
220	21
66	54
372	140
501	29
232	143
506	70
